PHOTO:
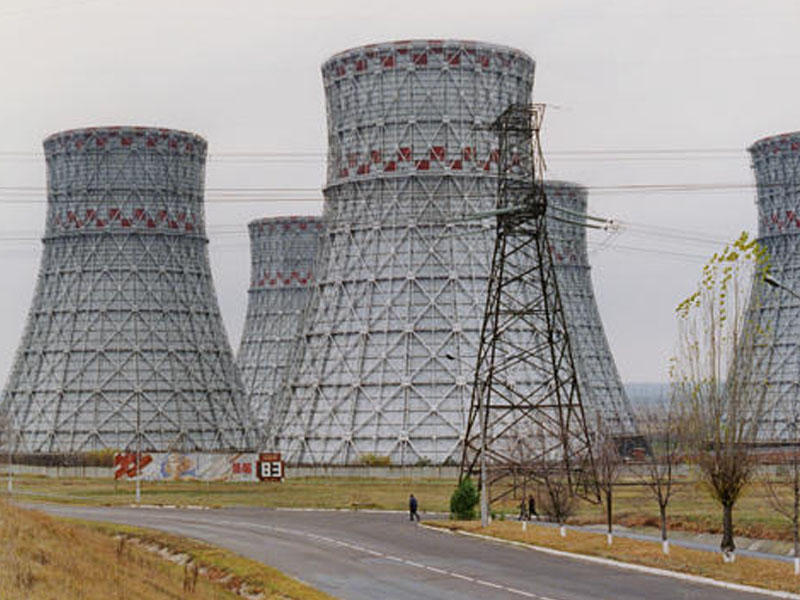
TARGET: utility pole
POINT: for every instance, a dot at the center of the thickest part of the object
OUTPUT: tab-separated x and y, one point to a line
524	336
138	448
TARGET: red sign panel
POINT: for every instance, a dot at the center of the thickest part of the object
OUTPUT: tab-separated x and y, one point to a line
270	467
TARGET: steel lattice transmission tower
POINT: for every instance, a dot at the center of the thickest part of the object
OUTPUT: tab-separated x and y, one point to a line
124	346
776	163
526	383
401	278
282	251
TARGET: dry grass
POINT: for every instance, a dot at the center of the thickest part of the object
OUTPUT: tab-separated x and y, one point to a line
44	558
748	571
273	583
337	492
692	508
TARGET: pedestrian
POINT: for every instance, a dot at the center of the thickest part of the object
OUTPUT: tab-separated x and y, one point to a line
532	508
412	508
523	516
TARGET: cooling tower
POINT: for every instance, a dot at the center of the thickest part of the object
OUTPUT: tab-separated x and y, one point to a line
602	393
282	254
125	325
776	163
402	277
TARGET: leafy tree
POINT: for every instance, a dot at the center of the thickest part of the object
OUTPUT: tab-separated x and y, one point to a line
720	373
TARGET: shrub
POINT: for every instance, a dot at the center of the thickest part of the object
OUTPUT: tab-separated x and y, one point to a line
463	501
375	460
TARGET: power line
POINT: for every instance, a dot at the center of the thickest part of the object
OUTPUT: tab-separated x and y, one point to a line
599	155
241	192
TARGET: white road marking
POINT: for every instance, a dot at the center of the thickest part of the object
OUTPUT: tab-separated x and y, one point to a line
435	570
397	559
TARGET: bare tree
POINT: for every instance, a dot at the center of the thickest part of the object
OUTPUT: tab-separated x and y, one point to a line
720	374
558	501
787	504
659	427
608	464
783	488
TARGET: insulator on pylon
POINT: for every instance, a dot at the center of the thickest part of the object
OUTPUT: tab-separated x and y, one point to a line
390	340
602	392
282	251
124	346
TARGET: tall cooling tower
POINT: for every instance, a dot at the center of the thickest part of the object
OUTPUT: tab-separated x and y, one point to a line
602	393
402	278
124	335
776	163
282	254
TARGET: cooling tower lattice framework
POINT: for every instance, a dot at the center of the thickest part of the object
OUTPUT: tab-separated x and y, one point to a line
282	251
125	321
776	163
401	281
602	392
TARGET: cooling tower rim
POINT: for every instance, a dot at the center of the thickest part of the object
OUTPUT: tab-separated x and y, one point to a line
123	131
774	139
427	43
284	219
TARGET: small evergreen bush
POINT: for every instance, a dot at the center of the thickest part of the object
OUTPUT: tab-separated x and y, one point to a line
463	501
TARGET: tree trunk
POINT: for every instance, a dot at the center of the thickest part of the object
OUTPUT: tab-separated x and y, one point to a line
727	544
796	543
608	509
796	516
663	510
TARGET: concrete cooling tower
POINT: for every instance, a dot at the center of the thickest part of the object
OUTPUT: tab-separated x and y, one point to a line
282	254
602	392
124	335
776	163
390	337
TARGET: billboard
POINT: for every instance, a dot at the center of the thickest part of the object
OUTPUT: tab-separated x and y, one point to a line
178	466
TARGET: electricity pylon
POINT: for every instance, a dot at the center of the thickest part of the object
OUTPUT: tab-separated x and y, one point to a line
526	413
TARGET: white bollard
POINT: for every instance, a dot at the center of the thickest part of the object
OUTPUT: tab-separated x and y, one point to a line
524	526
728	557
665	546
609	538
796	565
563	531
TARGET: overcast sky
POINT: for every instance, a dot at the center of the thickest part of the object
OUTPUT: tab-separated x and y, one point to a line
640	93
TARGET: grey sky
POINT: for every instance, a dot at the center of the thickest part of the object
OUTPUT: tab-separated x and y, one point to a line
622	78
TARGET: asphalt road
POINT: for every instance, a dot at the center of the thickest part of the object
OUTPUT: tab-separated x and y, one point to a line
370	556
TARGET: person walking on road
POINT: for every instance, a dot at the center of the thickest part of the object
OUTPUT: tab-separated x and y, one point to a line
532	508
412	508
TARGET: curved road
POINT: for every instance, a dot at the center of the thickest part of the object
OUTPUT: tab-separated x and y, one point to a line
364	556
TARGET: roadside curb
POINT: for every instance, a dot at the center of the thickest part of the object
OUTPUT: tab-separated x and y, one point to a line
624	565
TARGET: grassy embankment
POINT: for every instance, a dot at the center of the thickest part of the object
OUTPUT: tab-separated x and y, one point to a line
691	509
45	558
768	574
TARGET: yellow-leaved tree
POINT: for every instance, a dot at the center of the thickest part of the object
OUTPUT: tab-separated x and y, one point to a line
720	372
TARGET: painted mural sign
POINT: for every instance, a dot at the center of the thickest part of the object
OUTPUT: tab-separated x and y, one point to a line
177	466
